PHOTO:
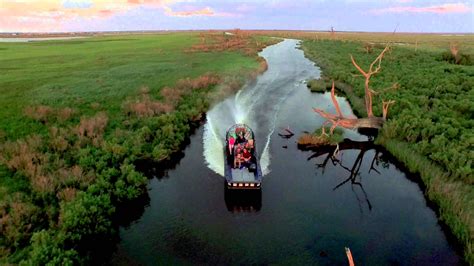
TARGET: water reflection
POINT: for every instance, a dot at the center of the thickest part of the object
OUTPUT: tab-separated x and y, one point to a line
335	155
238	201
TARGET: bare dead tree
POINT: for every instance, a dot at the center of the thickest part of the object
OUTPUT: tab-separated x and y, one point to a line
371	121
377	63
368	47
454	48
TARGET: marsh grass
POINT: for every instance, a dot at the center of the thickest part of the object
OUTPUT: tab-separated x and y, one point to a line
455	200
77	115
319	139
425	130
319	85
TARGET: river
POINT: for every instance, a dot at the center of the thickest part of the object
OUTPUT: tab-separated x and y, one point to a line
310	206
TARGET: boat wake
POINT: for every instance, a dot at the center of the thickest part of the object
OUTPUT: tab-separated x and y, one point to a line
244	108
257	105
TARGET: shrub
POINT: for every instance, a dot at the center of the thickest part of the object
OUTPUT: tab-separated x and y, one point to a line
74	176
145	107
85	216
171	96
319	85
67	194
130	184
65	114
47	248
92	128
23	155
3	136
43	184
201	82
39	113
18	220
318	139
58	142
458	58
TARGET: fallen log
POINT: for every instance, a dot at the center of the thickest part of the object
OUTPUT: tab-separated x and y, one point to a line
346	144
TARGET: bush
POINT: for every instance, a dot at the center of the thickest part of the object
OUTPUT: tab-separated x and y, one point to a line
18	220
319	85
92	128
130	185
458	59
87	215
318	138
48	249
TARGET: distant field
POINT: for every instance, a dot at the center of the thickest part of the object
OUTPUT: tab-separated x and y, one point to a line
98	70
429	41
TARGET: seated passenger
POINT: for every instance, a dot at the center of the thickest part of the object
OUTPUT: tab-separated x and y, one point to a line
238	158
231	144
249	145
247	135
246	156
240	138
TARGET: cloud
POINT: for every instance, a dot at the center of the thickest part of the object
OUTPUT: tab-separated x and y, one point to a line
200	12
204	12
50	15
77	4
438	9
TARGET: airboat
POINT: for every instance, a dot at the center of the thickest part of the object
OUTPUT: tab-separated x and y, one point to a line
247	175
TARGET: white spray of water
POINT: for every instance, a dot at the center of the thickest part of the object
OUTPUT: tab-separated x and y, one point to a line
243	108
257	105
266	157
219	119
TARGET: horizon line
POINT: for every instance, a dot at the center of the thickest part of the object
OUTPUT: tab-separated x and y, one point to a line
197	30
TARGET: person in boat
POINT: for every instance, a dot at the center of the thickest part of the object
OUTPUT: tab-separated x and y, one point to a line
240	138
249	145
238	157
246	156
231	144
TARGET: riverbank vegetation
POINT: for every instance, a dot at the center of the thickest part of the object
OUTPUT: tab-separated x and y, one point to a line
77	114
430	126
320	137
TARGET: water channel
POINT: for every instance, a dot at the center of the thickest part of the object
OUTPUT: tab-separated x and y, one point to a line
310	207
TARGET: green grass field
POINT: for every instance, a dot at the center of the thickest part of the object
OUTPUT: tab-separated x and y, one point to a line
77	114
103	70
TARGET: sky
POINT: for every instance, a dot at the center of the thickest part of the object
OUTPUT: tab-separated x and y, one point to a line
344	15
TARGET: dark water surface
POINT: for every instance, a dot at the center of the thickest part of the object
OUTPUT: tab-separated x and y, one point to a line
310	206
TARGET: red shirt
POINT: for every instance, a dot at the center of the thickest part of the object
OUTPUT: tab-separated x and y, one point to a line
247	154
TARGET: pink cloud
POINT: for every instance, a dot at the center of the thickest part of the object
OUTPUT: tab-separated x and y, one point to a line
51	15
200	12
438	9
205	12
